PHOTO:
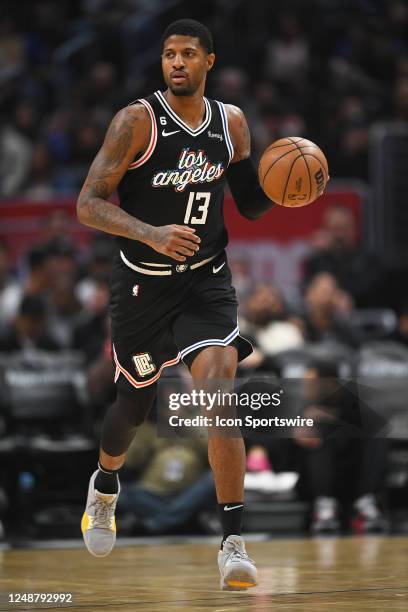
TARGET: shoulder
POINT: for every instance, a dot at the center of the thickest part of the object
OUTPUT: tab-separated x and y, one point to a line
234	113
132	123
135	113
239	132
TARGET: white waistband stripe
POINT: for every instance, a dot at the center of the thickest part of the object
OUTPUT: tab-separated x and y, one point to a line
162	272
143	270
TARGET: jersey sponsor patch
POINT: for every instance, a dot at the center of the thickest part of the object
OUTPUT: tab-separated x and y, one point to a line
193	167
215	135
144	364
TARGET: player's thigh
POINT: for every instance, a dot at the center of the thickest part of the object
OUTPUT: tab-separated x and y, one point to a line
142	310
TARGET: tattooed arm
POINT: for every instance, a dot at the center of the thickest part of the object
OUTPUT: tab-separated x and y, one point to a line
128	135
242	177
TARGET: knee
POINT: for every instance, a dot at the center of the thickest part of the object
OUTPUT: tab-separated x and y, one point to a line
214	363
135	408
221	371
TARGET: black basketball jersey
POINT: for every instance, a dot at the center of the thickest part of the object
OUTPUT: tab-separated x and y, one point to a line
179	179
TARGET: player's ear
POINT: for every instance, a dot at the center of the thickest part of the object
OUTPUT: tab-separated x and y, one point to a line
210	61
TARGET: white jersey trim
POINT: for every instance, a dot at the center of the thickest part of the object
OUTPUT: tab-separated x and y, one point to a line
224	119
153	137
179	121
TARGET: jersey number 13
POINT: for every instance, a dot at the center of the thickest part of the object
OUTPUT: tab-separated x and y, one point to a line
201	201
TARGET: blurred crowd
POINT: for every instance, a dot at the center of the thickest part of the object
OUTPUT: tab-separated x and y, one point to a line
57	300
323	69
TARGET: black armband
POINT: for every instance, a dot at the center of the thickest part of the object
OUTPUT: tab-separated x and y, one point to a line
249	197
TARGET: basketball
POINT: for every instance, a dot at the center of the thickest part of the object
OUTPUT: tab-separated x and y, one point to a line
293	172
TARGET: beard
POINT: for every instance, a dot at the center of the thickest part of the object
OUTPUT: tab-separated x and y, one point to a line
184	90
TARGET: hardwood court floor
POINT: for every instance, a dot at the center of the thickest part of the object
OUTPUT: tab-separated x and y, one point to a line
307	575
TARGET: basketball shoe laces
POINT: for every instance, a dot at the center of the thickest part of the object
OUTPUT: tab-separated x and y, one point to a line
237	554
104	511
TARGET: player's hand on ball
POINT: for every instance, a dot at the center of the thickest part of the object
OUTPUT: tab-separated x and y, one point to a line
176	241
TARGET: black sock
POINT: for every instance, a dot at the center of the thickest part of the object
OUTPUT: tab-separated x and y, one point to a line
231	518
107	481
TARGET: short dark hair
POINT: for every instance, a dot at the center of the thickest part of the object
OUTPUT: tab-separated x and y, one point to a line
32	306
190	27
37	257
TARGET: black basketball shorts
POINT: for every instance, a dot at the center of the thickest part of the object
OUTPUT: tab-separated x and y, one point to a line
161	318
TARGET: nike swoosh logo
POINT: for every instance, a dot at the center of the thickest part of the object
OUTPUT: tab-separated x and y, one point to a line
215	270
164	133
227	508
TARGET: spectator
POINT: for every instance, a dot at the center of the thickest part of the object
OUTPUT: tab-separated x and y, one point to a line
64	311
40	179
62	262
268	323
28	330
357	272
325	309
98	270
288	56
55	226
174	483
336	461
9	288
36	283
92	325
15	160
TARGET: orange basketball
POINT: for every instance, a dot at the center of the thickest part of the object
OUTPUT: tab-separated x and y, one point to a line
293	172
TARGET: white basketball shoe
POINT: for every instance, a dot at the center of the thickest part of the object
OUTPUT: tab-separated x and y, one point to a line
238	571
98	522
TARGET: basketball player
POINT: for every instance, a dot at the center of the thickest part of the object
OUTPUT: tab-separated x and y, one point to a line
169	155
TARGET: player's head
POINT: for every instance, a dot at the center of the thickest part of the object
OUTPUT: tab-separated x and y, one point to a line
187	56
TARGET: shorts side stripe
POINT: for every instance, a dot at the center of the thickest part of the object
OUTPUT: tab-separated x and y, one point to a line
210	342
148	382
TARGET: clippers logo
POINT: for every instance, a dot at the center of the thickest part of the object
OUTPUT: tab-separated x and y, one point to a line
143	364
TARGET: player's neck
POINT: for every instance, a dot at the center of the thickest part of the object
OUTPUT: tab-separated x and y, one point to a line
190	109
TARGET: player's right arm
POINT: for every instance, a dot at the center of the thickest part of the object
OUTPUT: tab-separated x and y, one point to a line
127	136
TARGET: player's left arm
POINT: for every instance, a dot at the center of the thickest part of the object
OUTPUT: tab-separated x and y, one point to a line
242	176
